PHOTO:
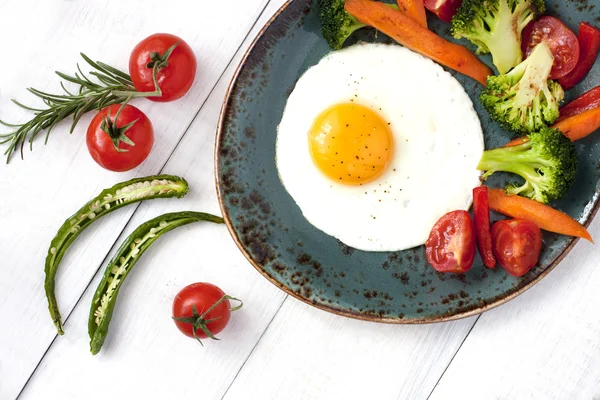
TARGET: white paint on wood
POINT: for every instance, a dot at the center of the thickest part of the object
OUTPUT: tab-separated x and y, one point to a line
309	354
145	355
37	195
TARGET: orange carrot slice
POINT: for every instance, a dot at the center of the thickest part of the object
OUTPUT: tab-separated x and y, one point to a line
410	34
544	216
580	125
415	10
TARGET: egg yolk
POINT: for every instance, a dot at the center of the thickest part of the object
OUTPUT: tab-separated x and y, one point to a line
350	143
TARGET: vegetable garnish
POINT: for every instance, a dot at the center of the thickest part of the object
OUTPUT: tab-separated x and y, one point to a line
451	243
589	46
114	87
547	162
580	125
481	216
120	137
111	86
444	9
562	42
202	310
524	100
120	195
495	27
517	245
415	10
416	38
585	102
120	266
546	217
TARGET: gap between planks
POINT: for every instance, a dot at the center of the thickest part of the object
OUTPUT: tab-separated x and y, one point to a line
453	356
107	257
255	346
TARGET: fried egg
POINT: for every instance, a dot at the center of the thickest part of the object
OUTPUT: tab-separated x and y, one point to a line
376	143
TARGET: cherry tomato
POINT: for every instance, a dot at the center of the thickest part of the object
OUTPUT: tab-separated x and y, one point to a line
517	245
175	73
562	42
589	44
190	310
132	133
481	215
451	243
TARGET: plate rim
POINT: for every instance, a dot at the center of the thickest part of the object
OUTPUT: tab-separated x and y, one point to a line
406	320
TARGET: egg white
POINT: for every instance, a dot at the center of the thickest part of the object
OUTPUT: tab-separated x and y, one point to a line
437	137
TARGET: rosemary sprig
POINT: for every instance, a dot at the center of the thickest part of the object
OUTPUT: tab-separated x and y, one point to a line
112	87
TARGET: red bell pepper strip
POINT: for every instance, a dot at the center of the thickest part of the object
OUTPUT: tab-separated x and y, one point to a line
481	214
444	9
587	101
589	44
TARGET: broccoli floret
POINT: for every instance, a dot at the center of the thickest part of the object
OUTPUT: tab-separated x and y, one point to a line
337	24
524	100
495	26
547	162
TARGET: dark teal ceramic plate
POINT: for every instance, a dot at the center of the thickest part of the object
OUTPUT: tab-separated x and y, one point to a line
270	230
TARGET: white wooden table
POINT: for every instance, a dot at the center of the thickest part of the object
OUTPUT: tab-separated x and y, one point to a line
543	345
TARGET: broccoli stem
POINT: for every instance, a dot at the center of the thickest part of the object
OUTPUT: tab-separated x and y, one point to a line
535	72
518	160
506	51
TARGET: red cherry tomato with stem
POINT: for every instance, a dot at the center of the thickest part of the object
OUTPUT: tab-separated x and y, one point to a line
174	62
517	245
451	243
562	41
120	138
201	310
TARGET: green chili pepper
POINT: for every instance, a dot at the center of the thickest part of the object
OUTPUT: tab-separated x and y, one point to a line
119	267
120	195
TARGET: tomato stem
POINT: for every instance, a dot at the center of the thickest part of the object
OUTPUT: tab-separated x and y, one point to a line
198	321
159	61
116	133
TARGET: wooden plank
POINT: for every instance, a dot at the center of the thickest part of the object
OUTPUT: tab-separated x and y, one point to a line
143	346
309	354
37	195
545	344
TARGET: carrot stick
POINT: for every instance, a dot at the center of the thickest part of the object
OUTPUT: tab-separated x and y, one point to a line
421	40
415	10
517	141
544	216
580	125
575	127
